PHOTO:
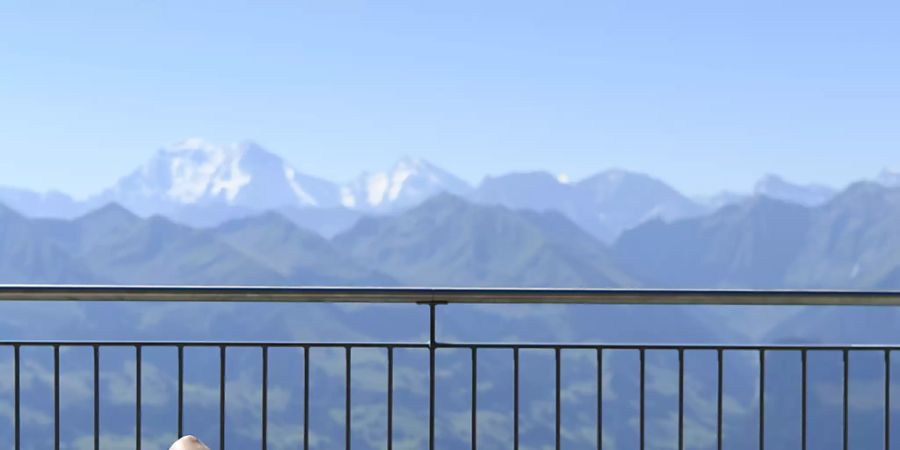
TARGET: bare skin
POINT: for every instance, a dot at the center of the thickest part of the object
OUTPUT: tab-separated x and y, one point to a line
188	443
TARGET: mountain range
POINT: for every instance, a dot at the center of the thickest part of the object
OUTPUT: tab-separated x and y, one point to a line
849	242
199	184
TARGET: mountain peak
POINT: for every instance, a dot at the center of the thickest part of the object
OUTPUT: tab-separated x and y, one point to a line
204	148
619	186
771	182
411	162
272	219
408	182
541	175
537	190
448	241
775	186
770	178
616	175
604	204
195	172
110	213
612	182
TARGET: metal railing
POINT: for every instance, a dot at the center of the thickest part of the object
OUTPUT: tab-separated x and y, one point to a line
432	299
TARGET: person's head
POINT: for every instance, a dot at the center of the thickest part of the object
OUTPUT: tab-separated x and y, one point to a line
188	443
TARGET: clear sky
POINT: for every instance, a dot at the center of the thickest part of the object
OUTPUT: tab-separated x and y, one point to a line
706	95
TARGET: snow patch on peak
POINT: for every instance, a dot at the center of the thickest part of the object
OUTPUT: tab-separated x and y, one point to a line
291	176
348	200
198	169
400	174
376	186
232	181
190	175
408	182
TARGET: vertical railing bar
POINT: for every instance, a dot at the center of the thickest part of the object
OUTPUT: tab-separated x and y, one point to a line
222	365
431	375
306	397
719	388
680	399
180	391
56	398
516	398
137	396
390	398
887	399
642	399
347	402
265	397
803	379
474	398
762	399
599	398
846	389
96	397
558	399
17	400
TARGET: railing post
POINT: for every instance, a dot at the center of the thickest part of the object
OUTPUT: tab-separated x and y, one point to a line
803	380
432	310
18	401
56	398
180	432
390	398
265	397
887	399
432	346
96	397
137	398
348	365
222	368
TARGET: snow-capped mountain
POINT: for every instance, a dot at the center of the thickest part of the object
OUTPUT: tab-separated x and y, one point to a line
409	182
198	183
773	186
194	173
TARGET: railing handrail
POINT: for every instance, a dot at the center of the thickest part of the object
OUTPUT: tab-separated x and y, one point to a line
445	295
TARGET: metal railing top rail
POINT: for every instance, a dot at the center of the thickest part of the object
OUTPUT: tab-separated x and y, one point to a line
444	295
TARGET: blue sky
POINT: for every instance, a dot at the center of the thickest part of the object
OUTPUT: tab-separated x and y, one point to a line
704	94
